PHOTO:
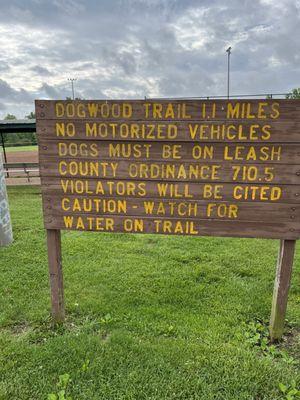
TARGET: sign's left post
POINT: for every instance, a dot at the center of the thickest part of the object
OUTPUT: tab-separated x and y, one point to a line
53	242
56	275
6	235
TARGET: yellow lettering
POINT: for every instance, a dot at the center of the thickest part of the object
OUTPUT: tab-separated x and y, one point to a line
59	110
275	111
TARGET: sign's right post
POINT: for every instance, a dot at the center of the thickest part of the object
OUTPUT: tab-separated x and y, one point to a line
56	275
281	288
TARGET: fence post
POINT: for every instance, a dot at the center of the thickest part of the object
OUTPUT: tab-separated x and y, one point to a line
4	151
6	236
281	288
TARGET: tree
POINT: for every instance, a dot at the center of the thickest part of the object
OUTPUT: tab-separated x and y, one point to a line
10	116
31	115
31	136
295	94
20	138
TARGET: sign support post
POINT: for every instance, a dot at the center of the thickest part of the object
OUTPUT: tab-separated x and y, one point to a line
281	288
56	275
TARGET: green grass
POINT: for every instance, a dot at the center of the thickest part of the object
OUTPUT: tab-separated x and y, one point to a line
21	148
148	316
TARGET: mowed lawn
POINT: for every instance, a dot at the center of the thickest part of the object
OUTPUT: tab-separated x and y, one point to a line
14	149
148	316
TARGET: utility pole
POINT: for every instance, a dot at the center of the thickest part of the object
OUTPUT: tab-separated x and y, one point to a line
72	80
228	51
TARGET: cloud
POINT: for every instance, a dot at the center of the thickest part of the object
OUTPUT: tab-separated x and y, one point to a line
137	48
70	7
5	89
13	100
50	91
4	66
42	71
7	92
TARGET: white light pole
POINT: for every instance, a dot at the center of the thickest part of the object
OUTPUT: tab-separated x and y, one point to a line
72	80
228	51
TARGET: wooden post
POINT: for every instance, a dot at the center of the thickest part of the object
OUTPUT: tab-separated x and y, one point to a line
281	288
56	275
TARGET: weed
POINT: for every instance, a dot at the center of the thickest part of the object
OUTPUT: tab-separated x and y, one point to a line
290	392
85	365
62	389
168	331
257	335
107	320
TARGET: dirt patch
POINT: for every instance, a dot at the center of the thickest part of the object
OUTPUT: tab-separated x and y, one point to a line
40	332
291	341
22	156
12	181
19	157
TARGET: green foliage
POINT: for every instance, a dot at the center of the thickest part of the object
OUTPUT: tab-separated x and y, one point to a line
295	94
107	320
257	335
13	139
62	389
10	116
31	115
64	385
290	391
85	366
168	331
19	138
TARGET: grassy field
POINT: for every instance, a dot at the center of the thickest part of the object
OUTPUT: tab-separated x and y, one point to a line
148	317
21	148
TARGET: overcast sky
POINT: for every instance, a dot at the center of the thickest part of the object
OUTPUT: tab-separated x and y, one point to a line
137	48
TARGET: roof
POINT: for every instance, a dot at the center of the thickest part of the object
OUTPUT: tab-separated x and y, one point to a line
17	125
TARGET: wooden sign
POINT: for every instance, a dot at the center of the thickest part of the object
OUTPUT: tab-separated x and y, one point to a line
188	167
222	168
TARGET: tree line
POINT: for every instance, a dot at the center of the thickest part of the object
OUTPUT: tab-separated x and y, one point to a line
20	138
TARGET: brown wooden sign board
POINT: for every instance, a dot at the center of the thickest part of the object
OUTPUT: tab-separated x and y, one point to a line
182	167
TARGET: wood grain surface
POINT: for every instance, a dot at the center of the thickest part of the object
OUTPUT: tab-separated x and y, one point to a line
195	167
